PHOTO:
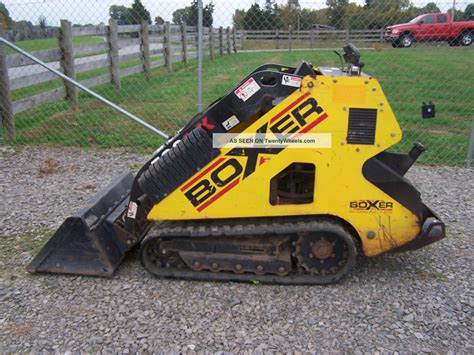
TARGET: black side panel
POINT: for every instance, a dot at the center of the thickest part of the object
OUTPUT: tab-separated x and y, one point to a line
362	123
180	163
393	184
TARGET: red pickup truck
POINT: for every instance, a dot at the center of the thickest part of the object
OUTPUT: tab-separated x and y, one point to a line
431	27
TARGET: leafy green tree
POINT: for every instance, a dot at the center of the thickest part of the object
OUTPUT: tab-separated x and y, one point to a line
5	19
22	25
120	13
337	10
431	7
268	18
42	22
469	12
189	14
138	13
238	18
130	16
159	20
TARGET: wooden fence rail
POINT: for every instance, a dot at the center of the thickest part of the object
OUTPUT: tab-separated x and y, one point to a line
150	46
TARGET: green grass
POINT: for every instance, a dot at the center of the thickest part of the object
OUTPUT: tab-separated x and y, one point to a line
168	101
48	43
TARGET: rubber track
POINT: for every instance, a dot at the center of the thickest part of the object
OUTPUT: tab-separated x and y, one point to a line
258	227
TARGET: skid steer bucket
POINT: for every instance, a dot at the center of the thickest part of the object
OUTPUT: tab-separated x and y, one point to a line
91	241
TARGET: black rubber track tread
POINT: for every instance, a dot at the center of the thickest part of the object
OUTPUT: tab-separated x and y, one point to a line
152	187
259	227
171	170
187	163
179	164
166	173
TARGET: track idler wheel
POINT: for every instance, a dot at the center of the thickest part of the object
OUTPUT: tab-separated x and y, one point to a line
328	252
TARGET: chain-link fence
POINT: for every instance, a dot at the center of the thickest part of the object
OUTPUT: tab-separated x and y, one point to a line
142	55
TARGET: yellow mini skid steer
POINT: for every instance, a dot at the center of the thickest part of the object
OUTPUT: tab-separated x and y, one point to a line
272	213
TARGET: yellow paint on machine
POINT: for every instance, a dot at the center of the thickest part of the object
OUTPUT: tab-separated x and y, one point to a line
232	193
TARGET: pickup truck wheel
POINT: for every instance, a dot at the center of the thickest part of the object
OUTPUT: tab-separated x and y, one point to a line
406	40
466	38
396	43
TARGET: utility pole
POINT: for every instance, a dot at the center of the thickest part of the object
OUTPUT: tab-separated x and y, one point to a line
453	11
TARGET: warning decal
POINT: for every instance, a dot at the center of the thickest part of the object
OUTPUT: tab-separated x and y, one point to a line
247	89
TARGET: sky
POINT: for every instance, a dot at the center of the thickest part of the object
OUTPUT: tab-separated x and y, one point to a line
96	11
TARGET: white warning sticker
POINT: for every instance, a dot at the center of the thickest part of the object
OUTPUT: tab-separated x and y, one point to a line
247	89
231	122
132	209
289	80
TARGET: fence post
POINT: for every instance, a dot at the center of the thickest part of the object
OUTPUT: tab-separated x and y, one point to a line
382	32
113	54
234	39
470	149
221	41
184	42
167	47
290	37
145	44
242	39
211	42
228	40
277	39
67	62
6	105
347	35
311	37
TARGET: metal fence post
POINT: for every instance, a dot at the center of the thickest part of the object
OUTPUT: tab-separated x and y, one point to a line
470	149
290	37
67	62
6	105
167	48
145	49
211	42
221	41
200	52
184	42
113	54
234	39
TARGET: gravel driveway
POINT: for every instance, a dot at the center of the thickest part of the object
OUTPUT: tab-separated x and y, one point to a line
417	301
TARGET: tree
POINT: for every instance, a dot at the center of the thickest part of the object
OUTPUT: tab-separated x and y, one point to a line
120	13
159	20
431	7
5	19
42	22
22	25
337	9
189	15
130	16
238	18
469	12
138	13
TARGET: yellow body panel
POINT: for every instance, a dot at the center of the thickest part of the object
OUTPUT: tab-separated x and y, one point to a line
339	180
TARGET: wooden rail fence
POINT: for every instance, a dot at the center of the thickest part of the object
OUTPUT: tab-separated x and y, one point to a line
151	45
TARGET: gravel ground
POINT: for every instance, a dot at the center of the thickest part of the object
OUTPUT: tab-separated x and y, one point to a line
417	301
